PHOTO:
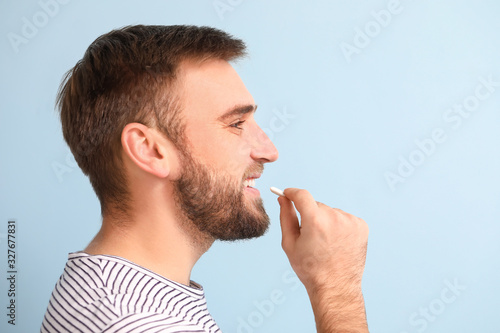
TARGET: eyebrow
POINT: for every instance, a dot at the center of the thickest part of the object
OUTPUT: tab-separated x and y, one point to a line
238	111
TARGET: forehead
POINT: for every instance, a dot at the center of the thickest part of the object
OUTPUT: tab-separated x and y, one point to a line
210	88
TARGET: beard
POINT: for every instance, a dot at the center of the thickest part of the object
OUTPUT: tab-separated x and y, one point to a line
214	203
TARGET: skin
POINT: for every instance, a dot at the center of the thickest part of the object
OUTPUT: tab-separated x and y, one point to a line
327	251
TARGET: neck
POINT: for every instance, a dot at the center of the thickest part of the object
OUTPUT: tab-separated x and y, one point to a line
156	239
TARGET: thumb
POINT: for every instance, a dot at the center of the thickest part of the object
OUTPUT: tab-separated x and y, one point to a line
290	229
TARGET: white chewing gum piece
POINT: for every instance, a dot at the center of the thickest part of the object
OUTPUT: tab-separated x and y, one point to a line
277	191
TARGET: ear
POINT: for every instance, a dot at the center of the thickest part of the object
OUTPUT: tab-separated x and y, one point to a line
145	147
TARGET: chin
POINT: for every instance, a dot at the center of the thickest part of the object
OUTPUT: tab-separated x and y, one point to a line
245	228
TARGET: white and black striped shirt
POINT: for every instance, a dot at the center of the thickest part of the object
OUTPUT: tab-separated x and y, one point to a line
101	293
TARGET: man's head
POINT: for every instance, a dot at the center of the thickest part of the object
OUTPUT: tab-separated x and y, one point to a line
177	80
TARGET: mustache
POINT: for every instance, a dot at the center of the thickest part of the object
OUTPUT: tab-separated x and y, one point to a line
257	167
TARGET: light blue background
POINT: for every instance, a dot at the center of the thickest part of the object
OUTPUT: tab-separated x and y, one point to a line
352	123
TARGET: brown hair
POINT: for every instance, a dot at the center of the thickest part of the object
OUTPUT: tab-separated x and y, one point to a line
127	75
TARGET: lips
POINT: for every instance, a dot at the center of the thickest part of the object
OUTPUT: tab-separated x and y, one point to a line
250	181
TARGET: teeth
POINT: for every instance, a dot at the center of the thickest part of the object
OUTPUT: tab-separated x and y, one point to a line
249	182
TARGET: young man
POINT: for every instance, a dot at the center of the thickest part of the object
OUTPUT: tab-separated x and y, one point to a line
164	128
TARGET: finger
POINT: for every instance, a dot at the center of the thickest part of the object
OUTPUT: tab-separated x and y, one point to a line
290	229
303	201
336	210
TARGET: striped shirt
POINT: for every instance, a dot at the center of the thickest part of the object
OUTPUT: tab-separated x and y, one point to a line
101	293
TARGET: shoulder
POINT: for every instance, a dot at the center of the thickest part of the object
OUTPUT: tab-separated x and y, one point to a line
110	294
157	323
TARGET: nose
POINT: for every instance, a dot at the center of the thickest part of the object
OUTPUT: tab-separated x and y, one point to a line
263	149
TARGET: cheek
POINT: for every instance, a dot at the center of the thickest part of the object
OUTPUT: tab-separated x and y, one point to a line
227	152
229	157
202	141
238	160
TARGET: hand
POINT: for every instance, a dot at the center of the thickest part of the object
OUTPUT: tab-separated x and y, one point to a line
328	249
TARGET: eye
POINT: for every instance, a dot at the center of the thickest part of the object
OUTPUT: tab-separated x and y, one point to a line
238	124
